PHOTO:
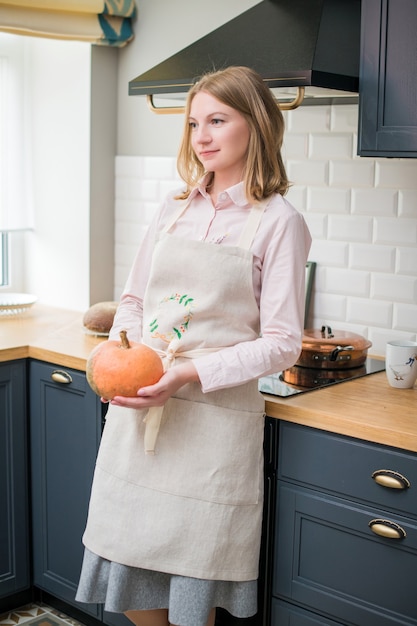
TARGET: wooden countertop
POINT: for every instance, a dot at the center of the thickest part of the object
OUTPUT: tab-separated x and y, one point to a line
48	334
366	408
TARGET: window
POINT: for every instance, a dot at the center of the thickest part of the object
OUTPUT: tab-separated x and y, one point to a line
15	192
4	260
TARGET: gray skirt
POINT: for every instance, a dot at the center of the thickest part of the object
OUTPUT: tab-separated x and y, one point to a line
188	600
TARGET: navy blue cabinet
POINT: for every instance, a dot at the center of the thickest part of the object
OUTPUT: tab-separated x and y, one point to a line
388	79
66	421
346	532
14	518
65	430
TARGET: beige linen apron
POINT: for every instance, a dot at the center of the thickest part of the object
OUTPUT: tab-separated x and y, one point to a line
194	508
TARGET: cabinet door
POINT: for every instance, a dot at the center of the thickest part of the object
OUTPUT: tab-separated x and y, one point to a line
327	558
14	526
65	429
285	614
388	79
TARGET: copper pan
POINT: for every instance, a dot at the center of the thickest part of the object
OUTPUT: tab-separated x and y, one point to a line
327	349
308	377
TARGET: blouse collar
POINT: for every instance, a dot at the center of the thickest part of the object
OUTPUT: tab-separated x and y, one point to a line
236	193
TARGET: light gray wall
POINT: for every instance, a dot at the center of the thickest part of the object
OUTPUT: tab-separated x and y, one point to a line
162	28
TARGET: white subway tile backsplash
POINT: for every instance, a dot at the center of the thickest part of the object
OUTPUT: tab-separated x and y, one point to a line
362	214
126	254
381	202
394	288
148	190
407	260
395	231
328	200
317	224
328	309
125	210
168	186
330	146
129	166
399	173
129	232
295	146
149	209
344	118
159	168
407	202
405	317
329	253
308	172
350	228
380	337
347	282
297	195
350	173
308	119
372	257
370	312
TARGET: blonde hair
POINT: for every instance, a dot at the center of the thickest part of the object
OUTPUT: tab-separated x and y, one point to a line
244	90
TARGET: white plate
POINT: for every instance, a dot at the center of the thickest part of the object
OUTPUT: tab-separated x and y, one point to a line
15	303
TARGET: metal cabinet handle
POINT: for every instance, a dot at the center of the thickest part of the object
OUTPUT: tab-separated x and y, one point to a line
387	528
391	479
60	376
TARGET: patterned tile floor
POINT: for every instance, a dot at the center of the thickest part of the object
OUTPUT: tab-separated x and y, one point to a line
37	615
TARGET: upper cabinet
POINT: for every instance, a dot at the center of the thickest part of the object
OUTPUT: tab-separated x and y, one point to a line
388	79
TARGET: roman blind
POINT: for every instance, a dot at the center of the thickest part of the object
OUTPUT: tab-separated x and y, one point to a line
100	22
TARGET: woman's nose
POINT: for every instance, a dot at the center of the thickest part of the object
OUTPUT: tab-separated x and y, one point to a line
203	134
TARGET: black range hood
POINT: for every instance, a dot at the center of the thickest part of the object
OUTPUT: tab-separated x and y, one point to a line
291	43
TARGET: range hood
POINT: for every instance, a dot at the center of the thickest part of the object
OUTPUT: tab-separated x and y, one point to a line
291	43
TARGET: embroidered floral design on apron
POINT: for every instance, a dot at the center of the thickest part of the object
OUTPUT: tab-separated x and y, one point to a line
186	302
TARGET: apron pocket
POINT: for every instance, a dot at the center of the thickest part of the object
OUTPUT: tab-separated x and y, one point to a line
209	453
205	452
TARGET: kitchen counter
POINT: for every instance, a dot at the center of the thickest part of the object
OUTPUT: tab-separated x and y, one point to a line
48	334
366	408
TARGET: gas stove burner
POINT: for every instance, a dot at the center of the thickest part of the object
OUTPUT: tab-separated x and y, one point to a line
298	379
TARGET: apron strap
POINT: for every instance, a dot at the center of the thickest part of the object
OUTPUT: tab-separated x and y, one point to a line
252	224
249	230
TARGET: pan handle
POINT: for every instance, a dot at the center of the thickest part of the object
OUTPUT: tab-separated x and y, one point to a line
329	331
334	353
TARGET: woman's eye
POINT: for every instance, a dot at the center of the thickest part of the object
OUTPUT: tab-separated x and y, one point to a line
216	121
192	125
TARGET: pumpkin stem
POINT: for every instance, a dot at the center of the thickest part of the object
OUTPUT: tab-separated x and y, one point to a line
124	339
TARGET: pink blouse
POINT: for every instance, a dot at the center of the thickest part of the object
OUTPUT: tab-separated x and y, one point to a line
280	250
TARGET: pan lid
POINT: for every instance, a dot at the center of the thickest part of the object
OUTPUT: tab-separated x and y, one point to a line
325	338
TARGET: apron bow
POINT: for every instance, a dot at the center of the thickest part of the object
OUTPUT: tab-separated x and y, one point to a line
154	415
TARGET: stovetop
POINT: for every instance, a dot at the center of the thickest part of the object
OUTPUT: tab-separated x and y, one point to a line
276	386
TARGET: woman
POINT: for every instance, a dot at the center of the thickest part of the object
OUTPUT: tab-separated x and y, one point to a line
217	289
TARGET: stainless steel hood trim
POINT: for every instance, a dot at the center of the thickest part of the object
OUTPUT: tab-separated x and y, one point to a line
289	42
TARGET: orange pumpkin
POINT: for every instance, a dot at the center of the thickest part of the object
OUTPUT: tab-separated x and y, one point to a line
120	368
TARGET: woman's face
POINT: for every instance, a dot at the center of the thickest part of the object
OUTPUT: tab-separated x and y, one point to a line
219	136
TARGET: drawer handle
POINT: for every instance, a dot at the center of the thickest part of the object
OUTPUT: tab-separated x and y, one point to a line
59	376
386	528
391	479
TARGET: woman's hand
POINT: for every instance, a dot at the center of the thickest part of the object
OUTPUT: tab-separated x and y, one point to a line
160	392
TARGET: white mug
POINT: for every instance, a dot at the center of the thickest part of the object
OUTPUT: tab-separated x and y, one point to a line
401	363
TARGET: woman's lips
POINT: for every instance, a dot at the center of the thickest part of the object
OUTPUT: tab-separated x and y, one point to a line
208	153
